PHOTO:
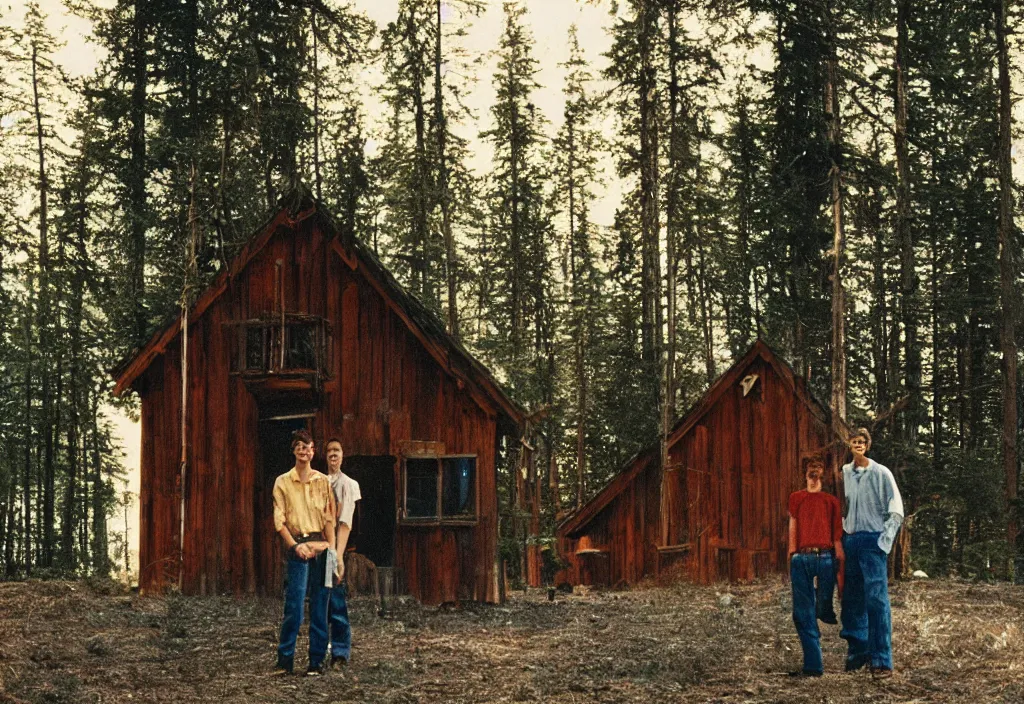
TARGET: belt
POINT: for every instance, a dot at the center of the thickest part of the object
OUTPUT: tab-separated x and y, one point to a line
816	551
307	537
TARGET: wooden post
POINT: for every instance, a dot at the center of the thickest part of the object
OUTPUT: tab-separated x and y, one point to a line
279	270
191	266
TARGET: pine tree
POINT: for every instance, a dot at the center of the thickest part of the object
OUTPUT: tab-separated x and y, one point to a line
427	190
521	330
744	146
1009	268
576	149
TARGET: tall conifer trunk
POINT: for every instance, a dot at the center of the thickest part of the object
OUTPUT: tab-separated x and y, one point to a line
137	172
832	112
676	166
1007	274
101	560
422	205
649	198
44	317
443	190
26	498
904	235
316	109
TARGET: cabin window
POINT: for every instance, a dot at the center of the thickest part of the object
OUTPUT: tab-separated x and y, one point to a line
458	480
421	488
298	344
440	489
301	352
255	348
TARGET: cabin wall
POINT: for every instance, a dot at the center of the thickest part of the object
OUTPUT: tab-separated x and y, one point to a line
386	390
626	532
726	488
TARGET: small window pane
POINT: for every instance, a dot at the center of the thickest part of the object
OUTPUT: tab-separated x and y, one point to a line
421	488
301	352
254	348
458	490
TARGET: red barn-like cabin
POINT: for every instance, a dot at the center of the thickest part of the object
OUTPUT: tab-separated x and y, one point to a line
306	329
733	461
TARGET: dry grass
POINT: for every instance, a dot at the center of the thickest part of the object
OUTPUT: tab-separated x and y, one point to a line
69	642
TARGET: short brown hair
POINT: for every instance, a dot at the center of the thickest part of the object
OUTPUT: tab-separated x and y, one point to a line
301	435
814	456
862	433
334	438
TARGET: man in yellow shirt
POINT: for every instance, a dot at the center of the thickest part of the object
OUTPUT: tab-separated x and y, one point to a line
304	518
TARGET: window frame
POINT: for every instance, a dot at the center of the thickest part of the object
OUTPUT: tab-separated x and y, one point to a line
439	519
273	339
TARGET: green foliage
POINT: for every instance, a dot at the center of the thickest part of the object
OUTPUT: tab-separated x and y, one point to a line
724	171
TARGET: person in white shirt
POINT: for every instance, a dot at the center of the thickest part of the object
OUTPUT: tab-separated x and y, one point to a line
346	493
874	512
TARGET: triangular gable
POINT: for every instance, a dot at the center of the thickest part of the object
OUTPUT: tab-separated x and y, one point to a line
761	349
613	488
135	364
729	378
421	322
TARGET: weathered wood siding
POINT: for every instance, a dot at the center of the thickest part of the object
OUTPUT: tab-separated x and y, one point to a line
386	389
726	491
626	532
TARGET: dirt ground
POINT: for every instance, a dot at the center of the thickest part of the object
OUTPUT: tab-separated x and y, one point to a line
76	642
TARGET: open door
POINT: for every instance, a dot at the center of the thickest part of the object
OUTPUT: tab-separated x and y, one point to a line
275	459
373	529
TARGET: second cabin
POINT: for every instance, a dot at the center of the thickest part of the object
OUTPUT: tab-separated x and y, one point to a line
719	510
306	329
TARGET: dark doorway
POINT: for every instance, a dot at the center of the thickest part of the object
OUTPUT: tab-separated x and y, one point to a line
275	459
373	529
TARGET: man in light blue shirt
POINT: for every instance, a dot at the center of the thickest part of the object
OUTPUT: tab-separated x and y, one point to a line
874	513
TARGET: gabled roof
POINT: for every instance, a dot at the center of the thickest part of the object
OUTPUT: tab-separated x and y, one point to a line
448	352
728	379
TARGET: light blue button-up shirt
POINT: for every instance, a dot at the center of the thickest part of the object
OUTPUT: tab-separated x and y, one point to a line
873	502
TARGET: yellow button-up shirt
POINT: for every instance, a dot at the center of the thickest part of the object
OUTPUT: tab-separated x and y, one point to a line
303	507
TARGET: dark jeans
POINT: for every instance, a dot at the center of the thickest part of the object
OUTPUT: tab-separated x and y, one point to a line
341	631
810	601
300	575
867	621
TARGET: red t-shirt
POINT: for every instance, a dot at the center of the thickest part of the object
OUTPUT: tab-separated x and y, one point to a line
819	519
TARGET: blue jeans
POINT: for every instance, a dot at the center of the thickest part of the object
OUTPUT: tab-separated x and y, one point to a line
341	631
867	620
300	574
810	601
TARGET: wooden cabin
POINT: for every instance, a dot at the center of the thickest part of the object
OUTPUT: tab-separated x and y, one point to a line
720	510
307	329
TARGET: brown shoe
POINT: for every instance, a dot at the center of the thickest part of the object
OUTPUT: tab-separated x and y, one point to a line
881	673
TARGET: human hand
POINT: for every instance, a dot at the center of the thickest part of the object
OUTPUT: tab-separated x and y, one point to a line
339	571
303	551
316	547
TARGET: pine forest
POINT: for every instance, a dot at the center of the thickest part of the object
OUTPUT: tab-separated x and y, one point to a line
837	179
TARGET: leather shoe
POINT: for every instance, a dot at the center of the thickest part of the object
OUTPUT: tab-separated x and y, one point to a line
856	662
